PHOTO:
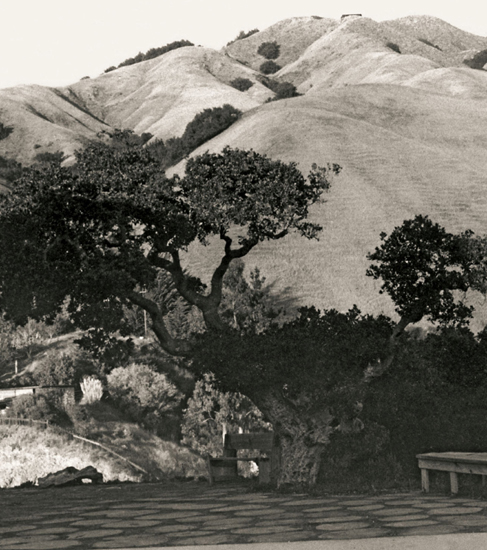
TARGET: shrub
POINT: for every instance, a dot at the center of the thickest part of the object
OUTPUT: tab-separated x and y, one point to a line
62	369
5	131
393	47
10	169
208	124
34	408
92	390
242	35
285	90
428	43
146	395
269	67
282	90
151	54
269	50
47	157
241	84
477	61
204	126
110	69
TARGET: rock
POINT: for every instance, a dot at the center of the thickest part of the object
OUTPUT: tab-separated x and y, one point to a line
71	476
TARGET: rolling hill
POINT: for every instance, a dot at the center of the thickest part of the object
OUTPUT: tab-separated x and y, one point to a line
391	102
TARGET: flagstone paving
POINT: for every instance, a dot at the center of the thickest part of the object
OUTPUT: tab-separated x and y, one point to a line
193	513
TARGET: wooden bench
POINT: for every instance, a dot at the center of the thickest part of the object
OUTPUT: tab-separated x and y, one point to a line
224	468
455	463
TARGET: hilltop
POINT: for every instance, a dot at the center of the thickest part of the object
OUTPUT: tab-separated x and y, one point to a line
393	103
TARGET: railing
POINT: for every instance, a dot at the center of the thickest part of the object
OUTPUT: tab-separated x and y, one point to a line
8	421
45	424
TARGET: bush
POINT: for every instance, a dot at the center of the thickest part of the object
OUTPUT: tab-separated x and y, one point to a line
47	157
35	408
92	390
146	395
428	43
10	169
269	67
61	369
241	84
477	61
204	126
208	124
435	399
285	90
5	131
282	90
152	53
269	50
242	35
393	47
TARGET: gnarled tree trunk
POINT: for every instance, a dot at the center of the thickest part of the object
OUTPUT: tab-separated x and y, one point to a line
303	435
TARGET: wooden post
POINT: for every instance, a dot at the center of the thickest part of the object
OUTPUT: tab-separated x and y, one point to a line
425	480
454	482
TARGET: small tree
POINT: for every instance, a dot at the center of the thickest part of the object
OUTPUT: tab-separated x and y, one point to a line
242	35
269	50
477	61
394	47
269	67
5	131
241	84
145	394
427	271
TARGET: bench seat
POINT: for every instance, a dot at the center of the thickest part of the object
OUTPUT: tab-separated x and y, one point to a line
454	463
224	468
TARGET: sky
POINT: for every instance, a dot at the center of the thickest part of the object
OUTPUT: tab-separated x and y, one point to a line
57	42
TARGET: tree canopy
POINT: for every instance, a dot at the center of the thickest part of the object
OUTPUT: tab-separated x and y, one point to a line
100	232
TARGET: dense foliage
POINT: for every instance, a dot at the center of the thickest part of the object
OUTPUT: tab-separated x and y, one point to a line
283	90
146	395
427	271
318	342
269	50
101	231
269	67
477	61
428	43
10	169
241	84
48	157
204	126
5	131
394	47
242	35
152	53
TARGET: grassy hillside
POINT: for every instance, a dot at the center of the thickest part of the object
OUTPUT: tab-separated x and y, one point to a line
391	102
403	152
28	453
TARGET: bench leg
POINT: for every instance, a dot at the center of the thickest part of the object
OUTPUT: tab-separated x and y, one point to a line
454	482
425	480
210	472
264	471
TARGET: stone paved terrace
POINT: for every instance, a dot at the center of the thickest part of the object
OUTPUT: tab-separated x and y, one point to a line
193	513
